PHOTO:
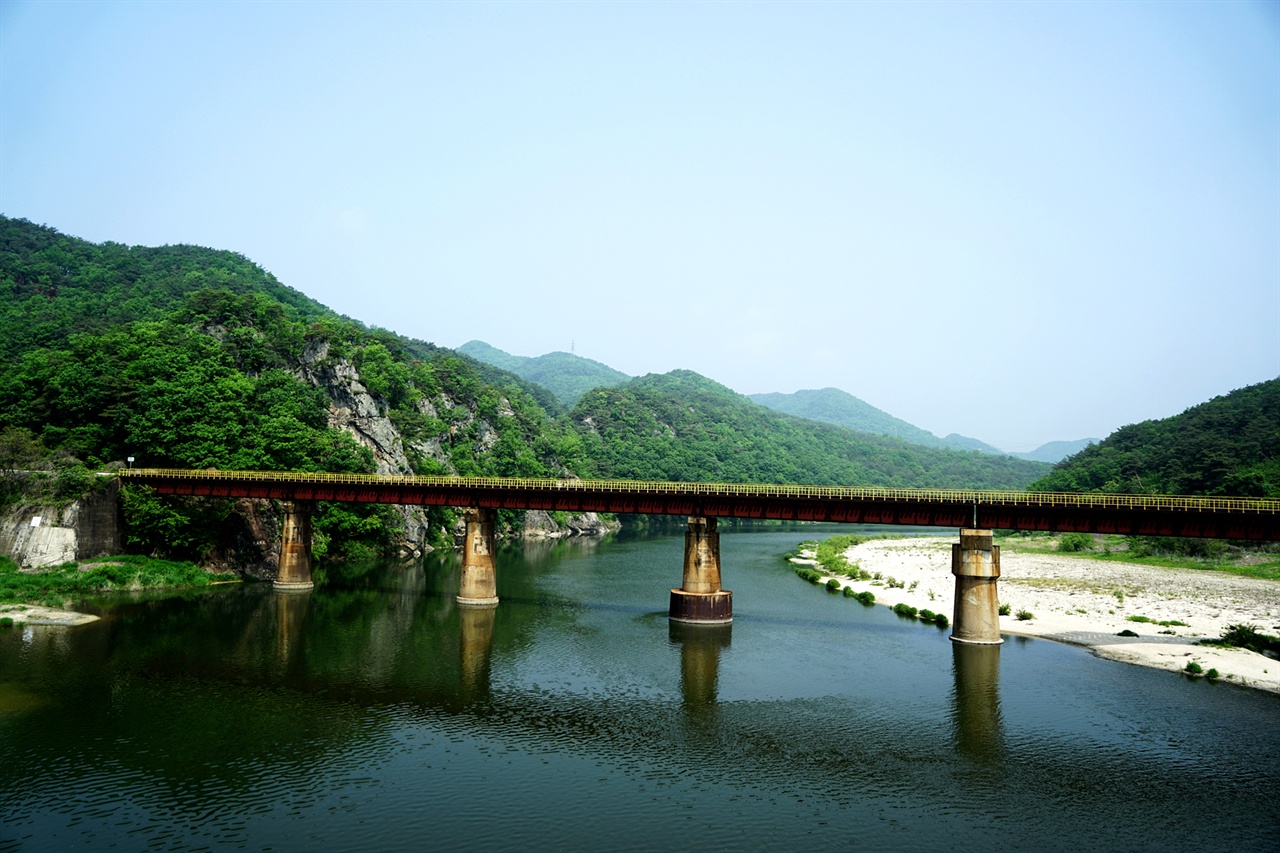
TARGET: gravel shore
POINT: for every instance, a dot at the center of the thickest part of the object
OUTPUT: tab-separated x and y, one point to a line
1088	602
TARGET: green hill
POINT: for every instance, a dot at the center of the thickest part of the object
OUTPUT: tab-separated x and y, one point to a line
189	357
567	376
684	427
1227	446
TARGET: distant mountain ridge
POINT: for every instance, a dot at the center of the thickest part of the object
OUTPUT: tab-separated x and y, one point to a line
565	375
569	376
682	426
833	406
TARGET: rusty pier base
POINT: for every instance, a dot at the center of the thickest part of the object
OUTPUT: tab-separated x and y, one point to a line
700	600
479	586
294	571
975	562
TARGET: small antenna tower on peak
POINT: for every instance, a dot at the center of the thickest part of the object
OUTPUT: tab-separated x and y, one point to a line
572	345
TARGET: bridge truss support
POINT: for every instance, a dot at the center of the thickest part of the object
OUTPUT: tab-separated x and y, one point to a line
479	587
700	600
294	571
975	562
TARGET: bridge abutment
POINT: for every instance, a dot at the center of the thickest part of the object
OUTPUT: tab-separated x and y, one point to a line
700	600
479	587
294	571
975	562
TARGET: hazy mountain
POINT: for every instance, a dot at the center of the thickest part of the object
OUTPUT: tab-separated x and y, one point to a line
566	375
1056	451
956	441
833	406
685	427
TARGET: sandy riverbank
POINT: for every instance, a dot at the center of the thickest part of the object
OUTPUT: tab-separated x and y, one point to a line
34	614
1086	602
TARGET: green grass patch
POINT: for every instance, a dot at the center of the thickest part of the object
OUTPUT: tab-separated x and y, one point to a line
54	586
1246	559
1165	623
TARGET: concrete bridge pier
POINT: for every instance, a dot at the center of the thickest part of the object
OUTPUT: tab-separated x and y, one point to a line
479	587
975	562
700	600
294	572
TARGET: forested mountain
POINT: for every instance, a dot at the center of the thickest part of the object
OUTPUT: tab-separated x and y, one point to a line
1227	446
682	426
567	376
190	357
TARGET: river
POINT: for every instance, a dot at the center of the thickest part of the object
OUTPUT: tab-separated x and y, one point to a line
374	714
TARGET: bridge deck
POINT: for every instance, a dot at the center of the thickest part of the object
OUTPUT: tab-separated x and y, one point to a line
1158	515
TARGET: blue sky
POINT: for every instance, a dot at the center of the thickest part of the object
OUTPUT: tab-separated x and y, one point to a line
1016	221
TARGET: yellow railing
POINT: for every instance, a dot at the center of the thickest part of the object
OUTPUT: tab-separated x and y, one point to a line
964	496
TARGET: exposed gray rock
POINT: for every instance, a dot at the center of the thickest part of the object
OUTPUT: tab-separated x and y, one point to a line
540	525
43	536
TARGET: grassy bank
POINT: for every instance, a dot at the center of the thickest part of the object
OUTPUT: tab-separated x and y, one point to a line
55	587
1251	560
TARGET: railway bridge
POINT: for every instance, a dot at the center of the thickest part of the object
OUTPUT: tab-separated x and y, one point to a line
700	599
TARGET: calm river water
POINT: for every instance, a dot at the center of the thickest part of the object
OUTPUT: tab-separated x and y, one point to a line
373	714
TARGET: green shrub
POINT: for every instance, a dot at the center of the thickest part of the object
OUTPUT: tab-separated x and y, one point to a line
811	575
1212	673
941	620
1005	609
1075	542
1249	637
1127	633
1194	668
903	609
833	585
848	592
1025	616
927	615
867	597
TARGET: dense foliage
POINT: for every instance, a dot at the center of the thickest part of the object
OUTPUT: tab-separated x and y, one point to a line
1227	446
189	357
30	473
684	427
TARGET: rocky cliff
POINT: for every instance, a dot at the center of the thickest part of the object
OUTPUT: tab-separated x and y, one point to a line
40	536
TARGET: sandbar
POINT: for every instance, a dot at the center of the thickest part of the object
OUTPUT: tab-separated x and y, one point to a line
1087	603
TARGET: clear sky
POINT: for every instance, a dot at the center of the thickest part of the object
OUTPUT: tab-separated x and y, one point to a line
1016	221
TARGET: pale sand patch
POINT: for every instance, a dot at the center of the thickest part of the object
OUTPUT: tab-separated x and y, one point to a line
1085	602
32	614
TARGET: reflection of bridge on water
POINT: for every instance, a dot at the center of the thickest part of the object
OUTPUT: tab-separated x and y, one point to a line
977	726
700	599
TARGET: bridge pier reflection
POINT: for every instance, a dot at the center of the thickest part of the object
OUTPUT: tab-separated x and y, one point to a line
294	571
291	616
700	648
700	600
979	729
475	644
479	586
975	562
